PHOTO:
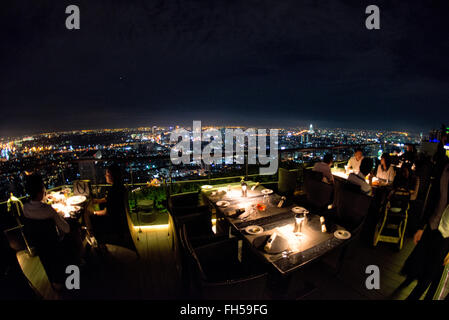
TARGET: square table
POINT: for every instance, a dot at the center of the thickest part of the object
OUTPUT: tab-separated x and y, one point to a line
312	244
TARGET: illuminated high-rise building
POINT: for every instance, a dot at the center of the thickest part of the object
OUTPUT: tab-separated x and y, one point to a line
311	129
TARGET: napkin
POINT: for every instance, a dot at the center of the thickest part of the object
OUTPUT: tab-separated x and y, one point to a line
244	215
276	243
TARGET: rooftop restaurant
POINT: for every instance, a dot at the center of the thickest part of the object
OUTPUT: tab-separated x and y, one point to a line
299	234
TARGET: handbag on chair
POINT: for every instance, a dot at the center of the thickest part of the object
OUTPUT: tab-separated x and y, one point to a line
82	188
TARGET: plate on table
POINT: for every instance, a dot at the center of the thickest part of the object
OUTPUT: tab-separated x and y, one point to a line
254	229
299	210
342	234
59	207
267	191
76	200
223	204
206	187
56	196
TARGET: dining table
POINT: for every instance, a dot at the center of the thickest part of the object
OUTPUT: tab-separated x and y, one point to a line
66	204
259	217
71	207
375	183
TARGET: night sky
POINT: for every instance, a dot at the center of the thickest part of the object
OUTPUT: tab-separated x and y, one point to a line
237	62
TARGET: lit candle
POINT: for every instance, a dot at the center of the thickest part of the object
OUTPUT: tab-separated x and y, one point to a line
244	187
299	218
281	202
323	226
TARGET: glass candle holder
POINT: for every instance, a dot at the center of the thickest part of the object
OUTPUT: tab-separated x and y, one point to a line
299	219
244	189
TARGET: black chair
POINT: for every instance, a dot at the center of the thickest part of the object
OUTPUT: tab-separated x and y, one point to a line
43	236
14	285
350	205
216	273
319	194
349	210
185	203
186	209
287	182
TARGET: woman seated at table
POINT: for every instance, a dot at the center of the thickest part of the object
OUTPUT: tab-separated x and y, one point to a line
385	171
112	222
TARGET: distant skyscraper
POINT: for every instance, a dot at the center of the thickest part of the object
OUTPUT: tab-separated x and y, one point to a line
311	129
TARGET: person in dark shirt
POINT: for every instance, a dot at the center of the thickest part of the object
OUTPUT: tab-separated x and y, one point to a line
115	197
325	168
425	263
113	217
408	180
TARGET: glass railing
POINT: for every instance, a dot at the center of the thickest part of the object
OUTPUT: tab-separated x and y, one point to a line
138	173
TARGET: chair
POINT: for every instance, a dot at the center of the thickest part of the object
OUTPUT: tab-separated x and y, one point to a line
216	272
287	182
15	235
186	210
43	236
350	209
351	206
391	227
319	194
14	285
144	204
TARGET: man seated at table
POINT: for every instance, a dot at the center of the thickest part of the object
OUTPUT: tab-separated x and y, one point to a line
325	168
366	166
37	209
53	253
355	161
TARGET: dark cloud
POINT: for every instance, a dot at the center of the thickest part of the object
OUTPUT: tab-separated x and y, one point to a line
250	62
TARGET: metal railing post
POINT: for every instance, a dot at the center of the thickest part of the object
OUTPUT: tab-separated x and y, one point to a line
246	166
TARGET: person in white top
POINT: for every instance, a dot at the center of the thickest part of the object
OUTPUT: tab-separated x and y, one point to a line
385	171
366	166
355	161
325	168
38	210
